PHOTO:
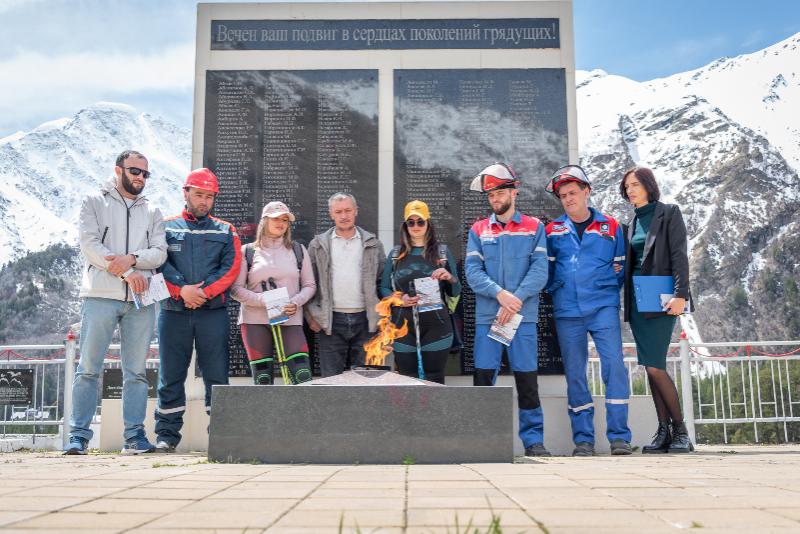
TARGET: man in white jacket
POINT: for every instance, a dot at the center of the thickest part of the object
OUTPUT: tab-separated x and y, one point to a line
122	241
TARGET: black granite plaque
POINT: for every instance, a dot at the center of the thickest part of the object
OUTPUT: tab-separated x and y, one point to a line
294	136
384	34
112	383
450	124
16	387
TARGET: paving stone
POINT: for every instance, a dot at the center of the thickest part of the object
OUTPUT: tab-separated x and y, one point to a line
792	511
160	493
218	519
348	493
244	505
721	518
455	492
494	502
375	503
625	483
85	520
65	491
43	504
12	516
351	518
593	518
478	518
148	530
112	506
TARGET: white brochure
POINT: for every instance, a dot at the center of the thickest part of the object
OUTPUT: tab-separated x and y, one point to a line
155	292
275	300
430	298
504	333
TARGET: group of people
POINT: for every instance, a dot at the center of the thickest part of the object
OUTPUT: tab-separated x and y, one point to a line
582	259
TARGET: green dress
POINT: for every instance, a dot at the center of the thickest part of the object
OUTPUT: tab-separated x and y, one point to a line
652	335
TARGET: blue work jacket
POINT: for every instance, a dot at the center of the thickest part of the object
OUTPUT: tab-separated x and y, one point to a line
582	277
513	258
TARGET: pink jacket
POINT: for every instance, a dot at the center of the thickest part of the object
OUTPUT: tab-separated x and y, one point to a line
276	261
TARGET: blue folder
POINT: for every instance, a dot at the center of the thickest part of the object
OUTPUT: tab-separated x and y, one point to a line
648	290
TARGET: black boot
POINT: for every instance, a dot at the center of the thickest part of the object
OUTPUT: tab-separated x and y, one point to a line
680	439
661	440
262	371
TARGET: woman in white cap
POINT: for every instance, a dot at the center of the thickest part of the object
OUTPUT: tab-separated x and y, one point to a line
423	352
273	260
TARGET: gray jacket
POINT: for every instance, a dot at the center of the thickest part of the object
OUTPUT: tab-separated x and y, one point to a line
108	227
320	308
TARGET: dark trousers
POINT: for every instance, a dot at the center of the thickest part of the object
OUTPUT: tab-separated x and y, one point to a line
178	333
349	332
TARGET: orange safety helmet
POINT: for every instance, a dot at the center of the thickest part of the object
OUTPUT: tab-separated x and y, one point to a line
202	179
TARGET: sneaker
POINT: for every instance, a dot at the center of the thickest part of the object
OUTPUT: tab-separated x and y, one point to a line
138	445
620	447
537	449
583	448
76	445
164	447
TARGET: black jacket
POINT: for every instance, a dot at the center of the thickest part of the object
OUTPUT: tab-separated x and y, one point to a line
665	253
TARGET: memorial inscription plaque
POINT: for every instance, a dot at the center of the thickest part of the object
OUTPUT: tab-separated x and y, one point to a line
449	124
294	136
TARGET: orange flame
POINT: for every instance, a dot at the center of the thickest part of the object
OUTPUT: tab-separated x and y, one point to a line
380	346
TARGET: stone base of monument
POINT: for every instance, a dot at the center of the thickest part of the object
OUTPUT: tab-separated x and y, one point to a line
361	417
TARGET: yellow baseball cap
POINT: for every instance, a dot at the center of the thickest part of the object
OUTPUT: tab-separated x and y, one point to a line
418	208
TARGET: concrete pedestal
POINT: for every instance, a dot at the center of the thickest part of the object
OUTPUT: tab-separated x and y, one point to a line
361	424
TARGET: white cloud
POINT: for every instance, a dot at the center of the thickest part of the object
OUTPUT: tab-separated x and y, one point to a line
35	84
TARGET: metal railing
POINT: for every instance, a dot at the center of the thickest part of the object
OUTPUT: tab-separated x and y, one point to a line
62	358
747	386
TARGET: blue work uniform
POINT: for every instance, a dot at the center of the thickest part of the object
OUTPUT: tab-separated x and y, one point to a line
585	291
511	257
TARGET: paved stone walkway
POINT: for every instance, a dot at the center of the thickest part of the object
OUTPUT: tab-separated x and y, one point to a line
718	489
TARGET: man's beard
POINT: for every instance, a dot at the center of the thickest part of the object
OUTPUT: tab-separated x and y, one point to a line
198	212
502	208
129	186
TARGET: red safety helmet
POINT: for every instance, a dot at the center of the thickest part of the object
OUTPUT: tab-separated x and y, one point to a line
495	176
566	174
202	179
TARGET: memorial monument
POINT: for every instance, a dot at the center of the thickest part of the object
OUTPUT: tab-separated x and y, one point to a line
389	101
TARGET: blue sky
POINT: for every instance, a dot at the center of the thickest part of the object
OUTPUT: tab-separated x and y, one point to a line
58	56
647	39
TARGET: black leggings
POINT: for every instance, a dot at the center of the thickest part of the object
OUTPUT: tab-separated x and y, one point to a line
433	362
435	330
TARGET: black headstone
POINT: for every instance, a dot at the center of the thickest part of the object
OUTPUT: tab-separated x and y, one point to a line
294	136
450	124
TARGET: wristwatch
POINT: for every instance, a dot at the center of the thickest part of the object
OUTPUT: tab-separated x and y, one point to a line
135	258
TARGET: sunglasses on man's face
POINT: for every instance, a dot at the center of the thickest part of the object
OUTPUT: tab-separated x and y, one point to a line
136	171
416	222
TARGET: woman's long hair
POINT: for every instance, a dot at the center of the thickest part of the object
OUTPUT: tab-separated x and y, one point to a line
262	229
431	252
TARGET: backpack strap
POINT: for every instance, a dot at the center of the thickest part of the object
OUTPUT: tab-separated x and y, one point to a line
249	254
298	254
394	254
442	254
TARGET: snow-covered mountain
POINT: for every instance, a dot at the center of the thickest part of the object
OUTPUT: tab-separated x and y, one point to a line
724	145
45	173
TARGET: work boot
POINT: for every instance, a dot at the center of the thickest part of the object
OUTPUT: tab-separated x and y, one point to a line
583	448
537	449
620	447
661	440
680	438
